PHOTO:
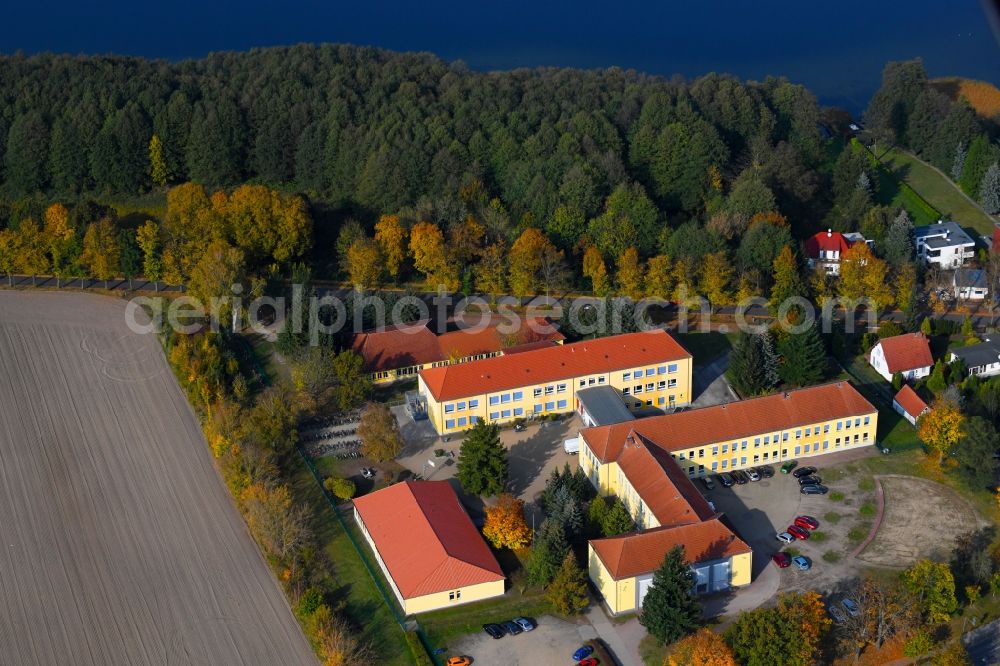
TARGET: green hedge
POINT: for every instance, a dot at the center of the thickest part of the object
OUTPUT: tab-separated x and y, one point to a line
420	657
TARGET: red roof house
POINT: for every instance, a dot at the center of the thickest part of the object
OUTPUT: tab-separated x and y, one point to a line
909	404
426	545
827	248
908	354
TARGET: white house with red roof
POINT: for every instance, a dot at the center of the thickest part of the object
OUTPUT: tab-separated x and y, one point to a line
908	354
827	249
909	404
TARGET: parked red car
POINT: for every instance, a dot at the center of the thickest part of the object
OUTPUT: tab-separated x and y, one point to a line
782	560
808	522
798	532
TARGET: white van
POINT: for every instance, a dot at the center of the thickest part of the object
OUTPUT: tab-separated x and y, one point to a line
572	445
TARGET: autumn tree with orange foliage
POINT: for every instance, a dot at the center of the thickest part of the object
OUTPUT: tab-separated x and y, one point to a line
526	261
789	633
430	256
702	648
364	264
630	275
941	428
864	276
596	271
505	526
390	236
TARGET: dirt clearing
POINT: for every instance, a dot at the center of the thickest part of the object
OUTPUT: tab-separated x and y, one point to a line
120	544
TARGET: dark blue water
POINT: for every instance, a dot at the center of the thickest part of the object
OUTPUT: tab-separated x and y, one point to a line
836	48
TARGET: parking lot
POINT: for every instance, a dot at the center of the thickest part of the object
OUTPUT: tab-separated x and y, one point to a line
553	641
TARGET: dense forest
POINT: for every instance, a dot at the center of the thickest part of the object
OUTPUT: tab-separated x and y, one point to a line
611	166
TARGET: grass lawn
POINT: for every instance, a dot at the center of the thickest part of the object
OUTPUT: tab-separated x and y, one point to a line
937	190
353	585
705	347
446	626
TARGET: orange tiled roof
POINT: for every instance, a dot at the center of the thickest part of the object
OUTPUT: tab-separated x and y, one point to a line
908	399
906	352
663	487
636	554
407	345
426	539
708	425
618	352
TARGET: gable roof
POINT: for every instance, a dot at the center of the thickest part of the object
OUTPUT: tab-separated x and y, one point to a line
908	399
668	493
827	241
425	538
986	352
407	345
745	418
969	277
618	352
906	352
636	554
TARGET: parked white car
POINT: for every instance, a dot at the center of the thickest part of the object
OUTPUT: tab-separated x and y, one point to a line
784	537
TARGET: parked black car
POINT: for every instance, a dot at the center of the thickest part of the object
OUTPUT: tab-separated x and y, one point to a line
511	627
494	630
741	477
803	471
810	481
816	489
708	483
726	480
766	471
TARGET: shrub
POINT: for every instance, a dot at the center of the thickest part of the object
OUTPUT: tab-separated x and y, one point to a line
866	484
837	496
818	537
867	510
917	644
857	533
832	517
342	489
420	656
831	556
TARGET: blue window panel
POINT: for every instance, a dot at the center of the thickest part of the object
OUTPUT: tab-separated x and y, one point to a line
784	437
462	421
461	406
494	400
449	424
662	370
448	409
725	463
550	406
756	441
661	400
826	428
505	413
626	376
518	411
744	447
473	420
840	426
473	404
672	367
637	373
767	440
494	415
826	444
743	460
715	466
867	420
816	446
650	372
797	448
518	395
561	404
505	397
538	408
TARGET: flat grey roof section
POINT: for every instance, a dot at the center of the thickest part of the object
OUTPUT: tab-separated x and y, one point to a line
120	543
604	405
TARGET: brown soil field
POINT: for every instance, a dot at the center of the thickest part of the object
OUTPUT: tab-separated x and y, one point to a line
120	542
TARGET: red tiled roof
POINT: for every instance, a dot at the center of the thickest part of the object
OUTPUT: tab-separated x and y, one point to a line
426	539
663	487
906	352
719	423
908	399
636	554
538	366
827	241
407	345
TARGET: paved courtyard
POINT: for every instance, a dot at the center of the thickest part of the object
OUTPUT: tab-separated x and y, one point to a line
551	642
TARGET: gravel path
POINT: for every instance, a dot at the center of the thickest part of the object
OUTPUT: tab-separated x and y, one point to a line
120	544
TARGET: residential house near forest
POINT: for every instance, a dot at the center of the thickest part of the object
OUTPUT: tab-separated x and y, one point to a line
908	354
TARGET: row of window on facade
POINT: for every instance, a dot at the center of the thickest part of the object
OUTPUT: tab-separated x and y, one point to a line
799	434
651	386
741	461
649	372
515	412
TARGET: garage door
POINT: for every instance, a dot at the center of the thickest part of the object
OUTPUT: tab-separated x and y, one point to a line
644	586
720	576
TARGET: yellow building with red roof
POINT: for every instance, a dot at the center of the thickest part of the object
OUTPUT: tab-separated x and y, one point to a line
648	369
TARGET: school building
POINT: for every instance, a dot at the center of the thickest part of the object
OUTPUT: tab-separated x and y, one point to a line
649	464
648	370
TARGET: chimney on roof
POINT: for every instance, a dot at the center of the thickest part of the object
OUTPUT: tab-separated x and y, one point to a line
829	233
786	395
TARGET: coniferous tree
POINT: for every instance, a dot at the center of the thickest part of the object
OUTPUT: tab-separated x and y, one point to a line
899	240
482	467
982	153
803	357
67	157
670	609
958	164
27	153
989	190
547	553
568	590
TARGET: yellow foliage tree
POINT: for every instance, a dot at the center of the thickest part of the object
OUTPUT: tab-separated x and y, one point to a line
101	252
491	271
659	280
716	276
941	428
430	256
59	235
264	223
863	275
189	225
505	526
157	163
390	235
220	267
29	249
702	648
630	274
525	261
364	264
904	284
596	271
147	237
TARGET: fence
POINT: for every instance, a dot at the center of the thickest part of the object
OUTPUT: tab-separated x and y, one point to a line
86	282
364	560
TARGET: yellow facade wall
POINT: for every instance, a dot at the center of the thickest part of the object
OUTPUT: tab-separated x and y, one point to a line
740	569
456	597
619	595
559	396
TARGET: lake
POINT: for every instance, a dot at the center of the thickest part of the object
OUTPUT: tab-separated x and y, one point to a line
837	49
